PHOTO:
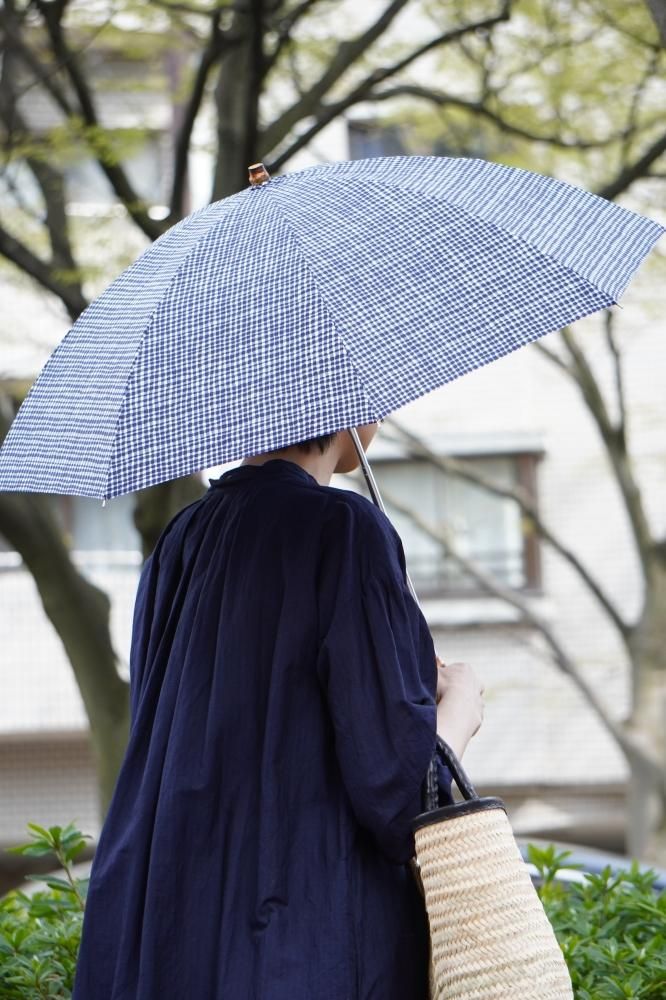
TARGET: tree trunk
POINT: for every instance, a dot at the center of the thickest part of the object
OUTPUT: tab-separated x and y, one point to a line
648	646
237	102
644	814
647	820
154	507
79	612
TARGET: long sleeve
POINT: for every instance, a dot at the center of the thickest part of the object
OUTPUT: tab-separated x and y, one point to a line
377	668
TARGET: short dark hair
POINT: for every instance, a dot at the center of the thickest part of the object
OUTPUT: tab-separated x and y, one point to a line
322	442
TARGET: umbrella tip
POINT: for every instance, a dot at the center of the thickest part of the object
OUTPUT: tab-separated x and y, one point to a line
258	174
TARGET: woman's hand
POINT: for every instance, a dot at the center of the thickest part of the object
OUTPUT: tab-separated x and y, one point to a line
459	704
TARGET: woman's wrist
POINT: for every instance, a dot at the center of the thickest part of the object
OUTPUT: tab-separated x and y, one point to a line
451	731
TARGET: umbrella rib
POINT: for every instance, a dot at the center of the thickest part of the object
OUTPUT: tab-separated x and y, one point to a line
294	237
148	327
657	229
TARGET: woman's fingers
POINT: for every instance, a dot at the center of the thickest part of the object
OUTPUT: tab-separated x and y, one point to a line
462	690
460	695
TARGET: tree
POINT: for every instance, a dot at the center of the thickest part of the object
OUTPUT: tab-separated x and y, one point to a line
234	55
621	150
539	89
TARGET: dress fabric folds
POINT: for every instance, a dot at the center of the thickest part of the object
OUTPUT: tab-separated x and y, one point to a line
282	694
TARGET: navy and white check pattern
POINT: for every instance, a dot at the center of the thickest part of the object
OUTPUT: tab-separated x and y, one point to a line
324	299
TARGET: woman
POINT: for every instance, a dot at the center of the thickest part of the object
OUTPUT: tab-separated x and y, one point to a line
284	699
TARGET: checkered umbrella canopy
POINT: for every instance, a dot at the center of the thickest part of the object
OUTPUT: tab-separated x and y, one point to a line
315	301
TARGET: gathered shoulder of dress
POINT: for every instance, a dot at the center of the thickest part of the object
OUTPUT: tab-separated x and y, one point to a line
282	693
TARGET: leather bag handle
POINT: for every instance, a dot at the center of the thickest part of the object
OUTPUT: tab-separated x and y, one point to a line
430	795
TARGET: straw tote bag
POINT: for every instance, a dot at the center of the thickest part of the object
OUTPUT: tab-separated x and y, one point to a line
490	938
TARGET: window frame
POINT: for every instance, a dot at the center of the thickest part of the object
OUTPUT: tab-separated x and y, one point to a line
526	479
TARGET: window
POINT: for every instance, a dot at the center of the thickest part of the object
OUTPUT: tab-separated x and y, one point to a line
367	138
487	529
374	137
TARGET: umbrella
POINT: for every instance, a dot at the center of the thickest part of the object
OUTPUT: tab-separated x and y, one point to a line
308	303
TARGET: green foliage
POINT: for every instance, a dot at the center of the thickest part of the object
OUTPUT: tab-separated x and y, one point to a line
611	927
71	140
573	88
40	933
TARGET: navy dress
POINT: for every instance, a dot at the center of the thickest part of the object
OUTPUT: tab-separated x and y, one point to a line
282	684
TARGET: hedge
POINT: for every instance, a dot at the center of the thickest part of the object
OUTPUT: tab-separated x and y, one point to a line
611	926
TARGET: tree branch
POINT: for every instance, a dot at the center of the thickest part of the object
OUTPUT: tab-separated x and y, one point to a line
658	10
51	185
554	359
30	264
291	60
28	525
209	57
52	14
630	129
634	171
609	322
347	53
285	28
478	108
24	52
185	8
567	666
237	94
326	113
526	504
613	438
605	13
256	77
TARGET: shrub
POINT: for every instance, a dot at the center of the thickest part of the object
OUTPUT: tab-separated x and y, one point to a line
40	932
611	926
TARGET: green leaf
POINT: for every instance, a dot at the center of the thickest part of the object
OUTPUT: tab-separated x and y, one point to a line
60	883
75	849
40	830
33	850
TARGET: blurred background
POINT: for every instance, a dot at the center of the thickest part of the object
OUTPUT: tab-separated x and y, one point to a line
530	495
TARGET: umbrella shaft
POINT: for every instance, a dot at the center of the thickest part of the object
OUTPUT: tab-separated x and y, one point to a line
374	490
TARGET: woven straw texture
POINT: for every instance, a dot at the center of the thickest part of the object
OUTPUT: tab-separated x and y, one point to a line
490	936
